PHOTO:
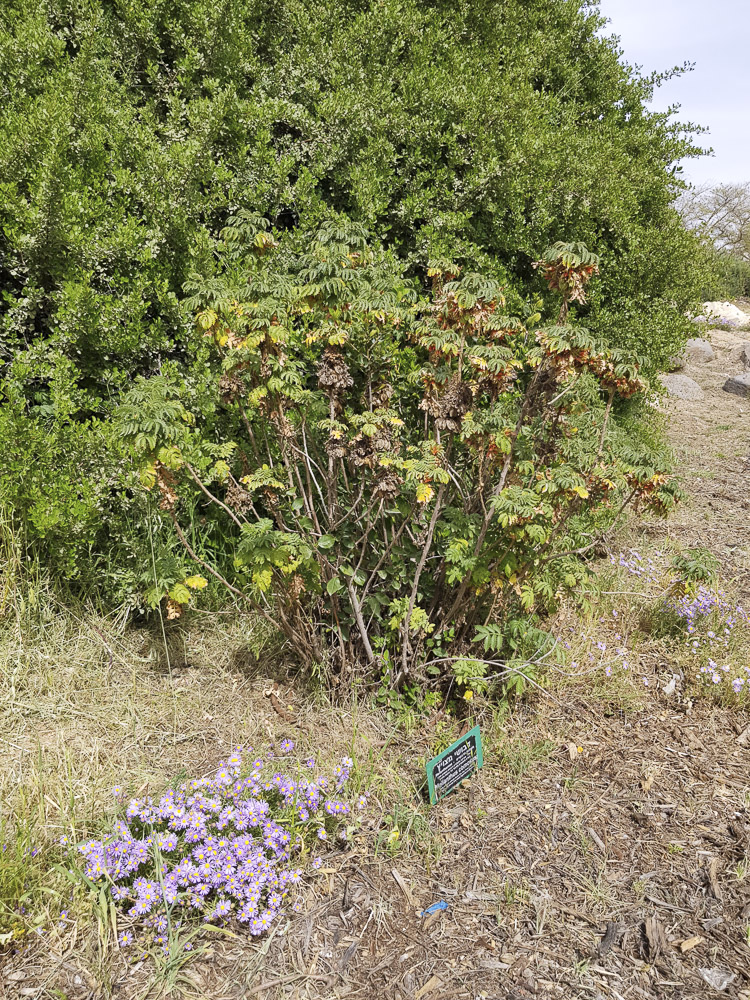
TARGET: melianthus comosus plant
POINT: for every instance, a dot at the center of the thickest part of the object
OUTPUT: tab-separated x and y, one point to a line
394	466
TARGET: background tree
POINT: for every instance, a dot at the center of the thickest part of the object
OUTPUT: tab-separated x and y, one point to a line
720	213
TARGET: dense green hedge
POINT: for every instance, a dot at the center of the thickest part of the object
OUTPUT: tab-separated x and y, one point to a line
478	132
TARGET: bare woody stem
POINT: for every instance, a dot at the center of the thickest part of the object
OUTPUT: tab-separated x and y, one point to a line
201	562
599	538
496	492
389	548
604	425
211	497
331	477
357	609
415	586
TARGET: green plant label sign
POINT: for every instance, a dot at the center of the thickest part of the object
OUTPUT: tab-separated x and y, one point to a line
462	759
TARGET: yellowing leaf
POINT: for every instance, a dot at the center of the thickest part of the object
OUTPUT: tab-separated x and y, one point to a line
262	579
147	475
221	470
206	319
581	491
195	582
170	457
425	493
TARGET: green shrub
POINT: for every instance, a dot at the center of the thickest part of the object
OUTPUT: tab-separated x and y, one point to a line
471	132
398	467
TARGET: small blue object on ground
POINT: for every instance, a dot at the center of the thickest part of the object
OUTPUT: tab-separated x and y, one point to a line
442	905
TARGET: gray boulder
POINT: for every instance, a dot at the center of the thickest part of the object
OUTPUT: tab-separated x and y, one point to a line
739	385
699	350
682	387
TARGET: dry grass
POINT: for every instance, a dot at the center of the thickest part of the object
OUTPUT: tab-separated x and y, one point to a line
597	807
87	703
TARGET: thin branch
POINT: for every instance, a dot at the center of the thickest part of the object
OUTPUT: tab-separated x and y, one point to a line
360	621
210	495
415	586
209	569
453	473
308	463
496	491
202	562
387	552
365	535
249	431
604	425
353	507
597	541
565	391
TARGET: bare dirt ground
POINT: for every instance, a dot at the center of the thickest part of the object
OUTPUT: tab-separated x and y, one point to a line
603	851
712	439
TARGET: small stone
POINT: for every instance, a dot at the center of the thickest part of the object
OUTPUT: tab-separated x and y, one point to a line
699	350
682	387
741	354
739	385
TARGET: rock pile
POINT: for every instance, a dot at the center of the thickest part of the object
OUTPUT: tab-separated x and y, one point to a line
723	312
731	344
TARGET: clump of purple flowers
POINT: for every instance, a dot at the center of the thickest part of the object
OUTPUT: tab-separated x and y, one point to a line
712	624
222	848
711	621
634	564
599	654
694	607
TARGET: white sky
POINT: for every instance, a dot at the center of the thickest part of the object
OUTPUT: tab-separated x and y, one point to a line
715	35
